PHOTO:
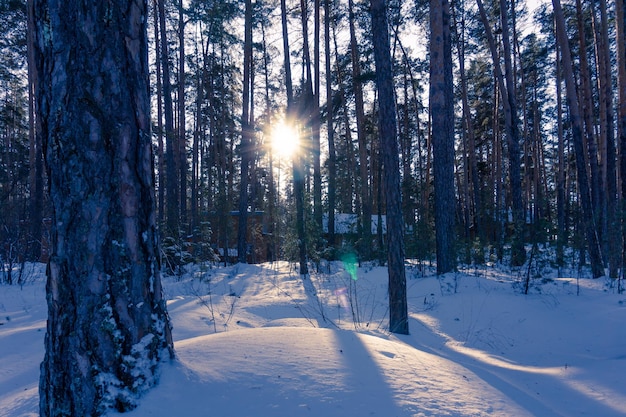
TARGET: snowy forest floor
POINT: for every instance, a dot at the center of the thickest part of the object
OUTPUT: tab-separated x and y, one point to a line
258	340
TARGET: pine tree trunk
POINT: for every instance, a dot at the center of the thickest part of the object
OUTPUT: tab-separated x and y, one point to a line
620	19
332	157
316	122
171	175
365	195
473	179
182	128
607	125
442	108
35	156
506	86
108	327
518	253
159	121
576	122
387	124
245	137
588	110
298	174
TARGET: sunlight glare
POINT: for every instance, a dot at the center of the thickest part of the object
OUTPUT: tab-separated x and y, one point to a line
285	139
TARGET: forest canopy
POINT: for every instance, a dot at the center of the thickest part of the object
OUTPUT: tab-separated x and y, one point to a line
536	169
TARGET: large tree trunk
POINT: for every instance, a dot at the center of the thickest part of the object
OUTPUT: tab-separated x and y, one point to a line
442	108
576	122
108	327
387	124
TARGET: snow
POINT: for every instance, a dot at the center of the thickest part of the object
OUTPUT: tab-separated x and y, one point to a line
258	340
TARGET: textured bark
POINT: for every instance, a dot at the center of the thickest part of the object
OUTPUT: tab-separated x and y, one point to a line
577	137
35	156
442	109
108	327
387	124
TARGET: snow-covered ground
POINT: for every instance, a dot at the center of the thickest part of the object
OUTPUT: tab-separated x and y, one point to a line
258	340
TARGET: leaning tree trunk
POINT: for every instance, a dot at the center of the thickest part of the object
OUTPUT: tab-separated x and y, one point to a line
509	106
108	327
398	317
577	137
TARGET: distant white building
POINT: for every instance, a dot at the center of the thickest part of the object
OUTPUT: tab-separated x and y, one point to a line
347	223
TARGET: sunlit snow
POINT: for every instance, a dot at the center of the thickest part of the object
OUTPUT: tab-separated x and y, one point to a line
258	340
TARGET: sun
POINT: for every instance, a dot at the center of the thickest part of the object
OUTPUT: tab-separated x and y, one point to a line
285	139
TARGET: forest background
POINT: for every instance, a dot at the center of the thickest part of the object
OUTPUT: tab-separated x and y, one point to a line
538	146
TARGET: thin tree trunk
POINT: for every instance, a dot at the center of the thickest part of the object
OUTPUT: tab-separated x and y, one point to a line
171	181
518	253
316	123
108	327
35	156
159	93
366	205
473	178
509	106
620	23
274	249
588	110
182	128
576	122
348	195
442	108
298	170
332	157
245	137
607	124
398	317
